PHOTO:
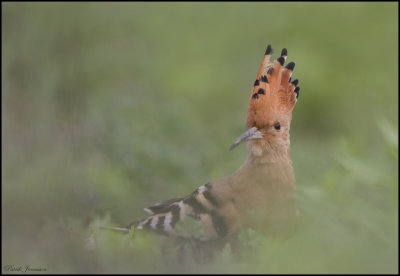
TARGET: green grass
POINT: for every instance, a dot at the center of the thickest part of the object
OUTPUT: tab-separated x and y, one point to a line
110	107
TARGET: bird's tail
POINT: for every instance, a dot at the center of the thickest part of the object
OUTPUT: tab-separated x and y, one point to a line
201	205
163	218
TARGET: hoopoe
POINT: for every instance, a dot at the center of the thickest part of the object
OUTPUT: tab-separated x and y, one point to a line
261	193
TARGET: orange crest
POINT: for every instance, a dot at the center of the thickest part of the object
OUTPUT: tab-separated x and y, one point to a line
273	94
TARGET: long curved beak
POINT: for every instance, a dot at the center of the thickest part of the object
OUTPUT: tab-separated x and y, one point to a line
252	133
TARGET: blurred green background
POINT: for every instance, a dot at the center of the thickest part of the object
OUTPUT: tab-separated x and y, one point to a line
110	107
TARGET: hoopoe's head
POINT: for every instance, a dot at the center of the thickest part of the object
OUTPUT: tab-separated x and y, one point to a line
270	109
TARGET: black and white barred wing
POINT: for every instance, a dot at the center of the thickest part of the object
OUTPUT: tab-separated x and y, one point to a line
201	205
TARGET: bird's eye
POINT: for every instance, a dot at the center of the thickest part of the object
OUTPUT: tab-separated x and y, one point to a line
277	126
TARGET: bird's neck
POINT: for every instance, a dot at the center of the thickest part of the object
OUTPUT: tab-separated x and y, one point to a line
272	159
262	151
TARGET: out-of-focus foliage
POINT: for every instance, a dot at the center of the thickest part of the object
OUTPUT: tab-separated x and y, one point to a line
110	107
